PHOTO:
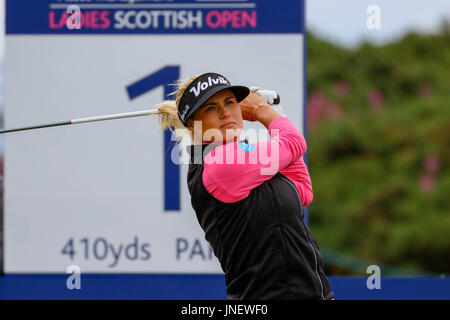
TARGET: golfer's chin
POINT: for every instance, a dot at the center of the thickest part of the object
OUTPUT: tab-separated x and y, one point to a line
231	134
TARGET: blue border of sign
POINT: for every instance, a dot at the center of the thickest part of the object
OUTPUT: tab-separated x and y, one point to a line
199	287
305	97
34	20
146	17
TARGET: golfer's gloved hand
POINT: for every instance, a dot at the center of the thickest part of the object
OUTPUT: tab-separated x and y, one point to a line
269	96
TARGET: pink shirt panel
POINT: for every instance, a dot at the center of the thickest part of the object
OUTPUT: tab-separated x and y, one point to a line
230	172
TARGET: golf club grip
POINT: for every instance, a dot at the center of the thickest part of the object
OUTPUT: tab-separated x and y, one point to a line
276	100
264	95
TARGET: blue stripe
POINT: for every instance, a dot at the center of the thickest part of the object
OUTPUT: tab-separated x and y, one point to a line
305	100
202	287
37	17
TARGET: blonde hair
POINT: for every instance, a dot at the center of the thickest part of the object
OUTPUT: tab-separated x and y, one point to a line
168	118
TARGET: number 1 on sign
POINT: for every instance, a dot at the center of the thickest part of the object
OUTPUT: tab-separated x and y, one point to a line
163	77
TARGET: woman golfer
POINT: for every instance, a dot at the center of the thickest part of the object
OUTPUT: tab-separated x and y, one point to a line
249	198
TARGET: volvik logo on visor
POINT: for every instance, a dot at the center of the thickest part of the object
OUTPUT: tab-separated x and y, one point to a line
205	85
203	88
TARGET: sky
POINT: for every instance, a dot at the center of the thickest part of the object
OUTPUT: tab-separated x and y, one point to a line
344	21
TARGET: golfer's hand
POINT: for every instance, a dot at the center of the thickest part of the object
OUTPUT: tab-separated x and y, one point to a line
250	104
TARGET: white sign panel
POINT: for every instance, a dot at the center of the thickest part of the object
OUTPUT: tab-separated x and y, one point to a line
105	195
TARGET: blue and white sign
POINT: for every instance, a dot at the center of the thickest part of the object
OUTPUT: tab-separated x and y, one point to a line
106	196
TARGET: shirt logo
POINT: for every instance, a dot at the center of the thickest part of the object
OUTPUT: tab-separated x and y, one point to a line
246	147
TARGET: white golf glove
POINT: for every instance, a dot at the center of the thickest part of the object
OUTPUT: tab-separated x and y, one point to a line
269	96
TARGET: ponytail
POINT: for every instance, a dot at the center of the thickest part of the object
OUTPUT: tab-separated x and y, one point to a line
168	118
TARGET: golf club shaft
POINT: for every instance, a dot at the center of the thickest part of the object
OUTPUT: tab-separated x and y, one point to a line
90	119
99	118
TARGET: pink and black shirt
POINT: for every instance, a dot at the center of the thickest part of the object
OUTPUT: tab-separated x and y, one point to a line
249	200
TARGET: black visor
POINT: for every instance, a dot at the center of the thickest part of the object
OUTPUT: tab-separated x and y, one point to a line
203	88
